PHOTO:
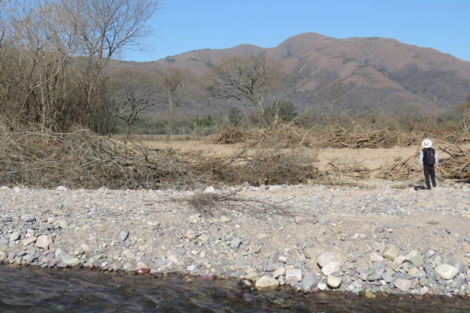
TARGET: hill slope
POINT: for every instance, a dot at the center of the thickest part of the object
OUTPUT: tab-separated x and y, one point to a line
375	73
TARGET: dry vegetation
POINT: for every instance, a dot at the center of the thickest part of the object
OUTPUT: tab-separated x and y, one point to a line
82	159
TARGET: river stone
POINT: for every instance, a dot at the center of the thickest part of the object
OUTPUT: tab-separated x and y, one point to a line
457	282
61	265
459	265
310	282
28	241
43	242
399	260
123	234
415	258
387	277
446	271
266	283
327	257
63	224
15	236
293	276
375	257
3	256
190	234
235	243
273	267
72	262
413	271
333	281
278	272
391	252
402	284
204	237
224	219
330	268
29	218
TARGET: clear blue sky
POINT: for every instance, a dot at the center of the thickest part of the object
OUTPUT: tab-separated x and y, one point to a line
185	25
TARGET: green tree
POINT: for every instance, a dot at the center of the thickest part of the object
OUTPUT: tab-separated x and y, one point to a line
286	111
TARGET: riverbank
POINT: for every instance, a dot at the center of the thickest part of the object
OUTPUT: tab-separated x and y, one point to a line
384	238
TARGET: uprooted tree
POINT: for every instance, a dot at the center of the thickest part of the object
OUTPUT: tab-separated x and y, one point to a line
256	82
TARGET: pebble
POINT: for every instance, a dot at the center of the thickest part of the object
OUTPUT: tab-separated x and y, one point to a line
446	271
79	227
402	284
266	283
123	235
333	281
330	268
310	282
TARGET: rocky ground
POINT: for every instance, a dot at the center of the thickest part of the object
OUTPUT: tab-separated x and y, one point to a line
378	238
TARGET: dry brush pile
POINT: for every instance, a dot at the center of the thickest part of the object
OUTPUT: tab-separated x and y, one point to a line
454	167
82	159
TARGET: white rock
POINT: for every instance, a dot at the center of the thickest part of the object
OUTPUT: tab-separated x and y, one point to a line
333	281
266	283
44	242
327	257
293	276
446	271
321	286
375	257
61	188
330	268
278	272
209	189
391	252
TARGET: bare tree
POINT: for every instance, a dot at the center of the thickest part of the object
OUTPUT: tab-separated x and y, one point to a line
175	87
42	46
131	93
51	65
105	29
330	96
255	82
464	111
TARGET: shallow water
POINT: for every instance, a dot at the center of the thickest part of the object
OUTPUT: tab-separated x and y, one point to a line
35	290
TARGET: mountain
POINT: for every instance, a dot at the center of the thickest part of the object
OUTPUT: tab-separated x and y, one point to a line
375	73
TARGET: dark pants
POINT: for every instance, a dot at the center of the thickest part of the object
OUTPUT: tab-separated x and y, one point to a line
429	170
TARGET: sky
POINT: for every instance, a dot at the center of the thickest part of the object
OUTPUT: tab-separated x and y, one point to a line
185	25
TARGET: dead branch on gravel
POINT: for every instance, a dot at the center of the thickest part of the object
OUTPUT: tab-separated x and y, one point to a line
215	204
354	170
400	169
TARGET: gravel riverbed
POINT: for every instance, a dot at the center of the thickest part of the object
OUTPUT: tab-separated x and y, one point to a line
384	238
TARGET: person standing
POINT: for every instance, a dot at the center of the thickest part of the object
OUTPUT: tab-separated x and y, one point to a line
428	161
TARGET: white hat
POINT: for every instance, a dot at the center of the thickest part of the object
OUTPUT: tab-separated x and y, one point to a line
427	143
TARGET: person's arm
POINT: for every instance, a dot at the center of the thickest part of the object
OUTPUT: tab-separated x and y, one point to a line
421	159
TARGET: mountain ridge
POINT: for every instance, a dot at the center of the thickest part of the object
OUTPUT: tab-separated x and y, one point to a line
374	72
